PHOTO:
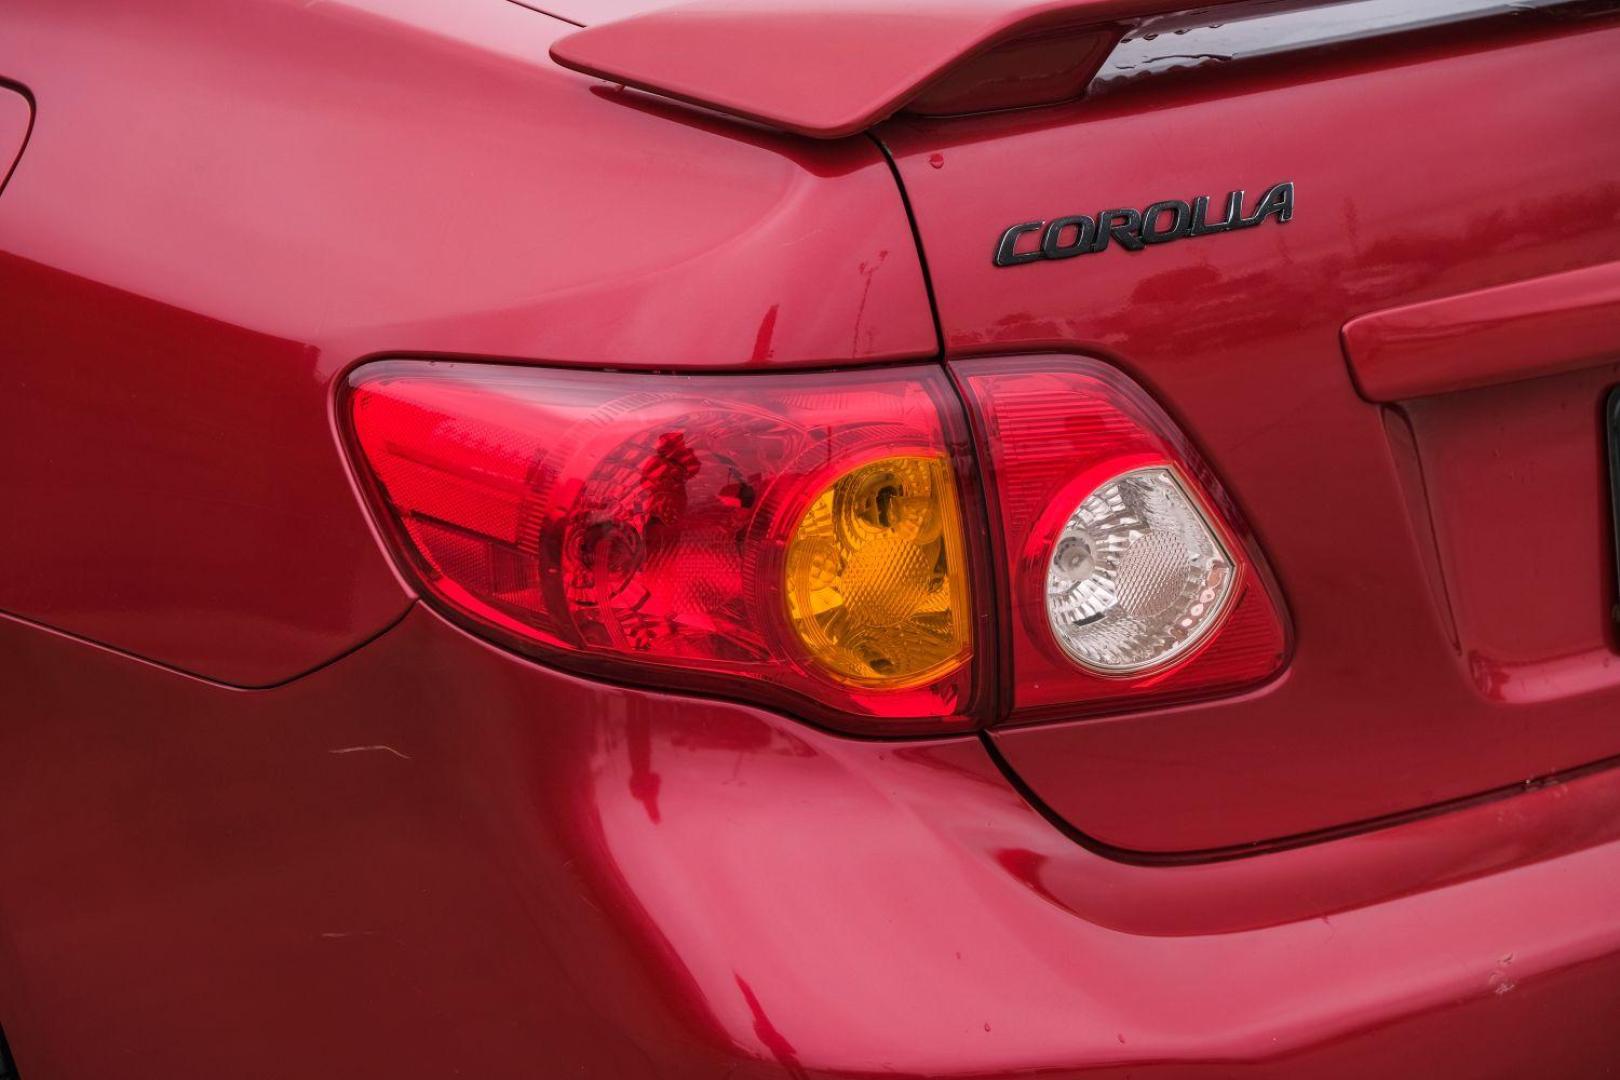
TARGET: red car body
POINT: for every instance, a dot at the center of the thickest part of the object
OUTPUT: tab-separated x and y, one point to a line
265	808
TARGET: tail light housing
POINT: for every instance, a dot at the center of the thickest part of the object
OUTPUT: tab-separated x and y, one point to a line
795	539
1128	578
830	543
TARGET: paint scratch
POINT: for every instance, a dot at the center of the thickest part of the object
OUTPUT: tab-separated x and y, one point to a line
379	747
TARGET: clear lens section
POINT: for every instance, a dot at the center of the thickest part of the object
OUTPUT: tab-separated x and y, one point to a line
1136	576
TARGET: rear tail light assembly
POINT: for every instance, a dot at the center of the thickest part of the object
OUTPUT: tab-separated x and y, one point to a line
904	550
1127	578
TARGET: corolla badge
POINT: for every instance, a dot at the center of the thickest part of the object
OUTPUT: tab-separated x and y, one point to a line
1133	230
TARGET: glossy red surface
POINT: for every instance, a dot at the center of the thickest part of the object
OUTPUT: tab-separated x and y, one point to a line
854	62
411	853
15	116
188	263
1534	634
1523	330
1382	709
432	857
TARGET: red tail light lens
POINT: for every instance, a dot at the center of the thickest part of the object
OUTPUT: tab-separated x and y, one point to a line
818	541
789	538
1128	579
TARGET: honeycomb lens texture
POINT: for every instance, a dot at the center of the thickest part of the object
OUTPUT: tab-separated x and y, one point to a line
1136	577
876	582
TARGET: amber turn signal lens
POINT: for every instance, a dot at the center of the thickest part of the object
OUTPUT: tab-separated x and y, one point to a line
876	575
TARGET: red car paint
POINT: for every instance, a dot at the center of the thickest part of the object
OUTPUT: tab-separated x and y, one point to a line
695	53
429	858
408	852
1543	326
192	309
1440	650
15	115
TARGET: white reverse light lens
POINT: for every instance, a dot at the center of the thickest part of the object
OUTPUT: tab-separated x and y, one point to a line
1137	576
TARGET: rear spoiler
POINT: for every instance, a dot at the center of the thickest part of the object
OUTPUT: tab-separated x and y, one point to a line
830	68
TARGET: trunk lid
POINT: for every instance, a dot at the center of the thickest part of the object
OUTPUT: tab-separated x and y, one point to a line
1446	556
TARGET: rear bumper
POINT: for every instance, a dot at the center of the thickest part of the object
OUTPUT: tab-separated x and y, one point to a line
432	858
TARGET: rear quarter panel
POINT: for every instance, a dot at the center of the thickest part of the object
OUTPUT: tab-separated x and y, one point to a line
223	207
